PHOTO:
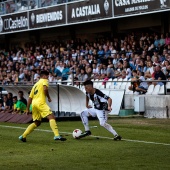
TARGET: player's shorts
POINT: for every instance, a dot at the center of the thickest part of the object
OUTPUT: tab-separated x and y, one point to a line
101	114
40	111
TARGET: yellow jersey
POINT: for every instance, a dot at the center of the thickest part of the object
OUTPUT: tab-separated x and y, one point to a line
37	92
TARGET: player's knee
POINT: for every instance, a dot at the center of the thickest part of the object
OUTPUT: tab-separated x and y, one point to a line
81	114
84	113
37	123
51	116
102	123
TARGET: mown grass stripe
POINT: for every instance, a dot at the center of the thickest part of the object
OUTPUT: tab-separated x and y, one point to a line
102	137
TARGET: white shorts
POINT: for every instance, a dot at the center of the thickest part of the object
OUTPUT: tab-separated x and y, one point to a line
101	114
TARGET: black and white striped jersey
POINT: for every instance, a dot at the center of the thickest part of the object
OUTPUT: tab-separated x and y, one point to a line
99	100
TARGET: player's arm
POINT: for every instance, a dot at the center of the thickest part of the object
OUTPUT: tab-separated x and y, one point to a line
87	102
106	98
28	105
47	93
109	104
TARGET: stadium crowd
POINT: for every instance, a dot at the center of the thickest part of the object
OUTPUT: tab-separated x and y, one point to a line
13	6
103	59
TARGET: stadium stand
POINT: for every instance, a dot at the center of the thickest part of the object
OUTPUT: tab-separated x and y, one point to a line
107	60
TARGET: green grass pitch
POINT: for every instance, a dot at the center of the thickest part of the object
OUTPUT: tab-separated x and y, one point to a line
146	146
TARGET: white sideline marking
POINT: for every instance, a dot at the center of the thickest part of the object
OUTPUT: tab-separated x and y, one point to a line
128	140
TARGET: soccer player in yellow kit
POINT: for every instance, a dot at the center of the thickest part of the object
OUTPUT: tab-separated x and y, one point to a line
40	109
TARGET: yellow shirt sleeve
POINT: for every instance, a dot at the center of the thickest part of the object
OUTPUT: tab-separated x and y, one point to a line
45	83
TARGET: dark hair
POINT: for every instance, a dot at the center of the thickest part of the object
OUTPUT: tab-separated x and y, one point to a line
21	92
15	97
88	82
142	73
134	71
10	94
121	61
44	72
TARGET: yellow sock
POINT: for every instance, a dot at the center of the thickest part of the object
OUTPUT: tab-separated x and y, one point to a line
54	127
29	129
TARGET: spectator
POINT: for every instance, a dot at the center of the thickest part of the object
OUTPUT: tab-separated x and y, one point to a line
10	101
65	72
143	86
82	76
51	56
21	104
1	107
141	66
162	40
150	70
50	77
134	81
167	39
157	41
6	105
158	75
14	108
127	69
166	67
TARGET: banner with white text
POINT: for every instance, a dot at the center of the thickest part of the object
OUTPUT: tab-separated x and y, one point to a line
47	17
128	7
15	22
89	10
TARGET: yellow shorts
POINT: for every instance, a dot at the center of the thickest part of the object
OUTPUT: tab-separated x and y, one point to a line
40	111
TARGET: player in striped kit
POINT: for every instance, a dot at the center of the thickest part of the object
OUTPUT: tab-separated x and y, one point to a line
102	106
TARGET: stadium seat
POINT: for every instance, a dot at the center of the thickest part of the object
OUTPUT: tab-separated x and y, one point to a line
57	113
82	88
62	114
58	81
73	114
112	86
67	114
108	83
127	91
96	79
156	89
168	85
97	83
150	89
162	90
118	84
123	85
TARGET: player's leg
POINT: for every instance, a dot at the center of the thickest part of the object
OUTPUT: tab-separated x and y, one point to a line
36	116
29	129
46	112
54	127
84	117
102	116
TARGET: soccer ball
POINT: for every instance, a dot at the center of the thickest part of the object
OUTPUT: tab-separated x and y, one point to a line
76	133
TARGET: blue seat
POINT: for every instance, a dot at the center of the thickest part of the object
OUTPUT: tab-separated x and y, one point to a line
57	114
62	114
73	114
67	114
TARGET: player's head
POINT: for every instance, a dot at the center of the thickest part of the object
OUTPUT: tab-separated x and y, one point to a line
15	99
44	74
21	94
88	86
